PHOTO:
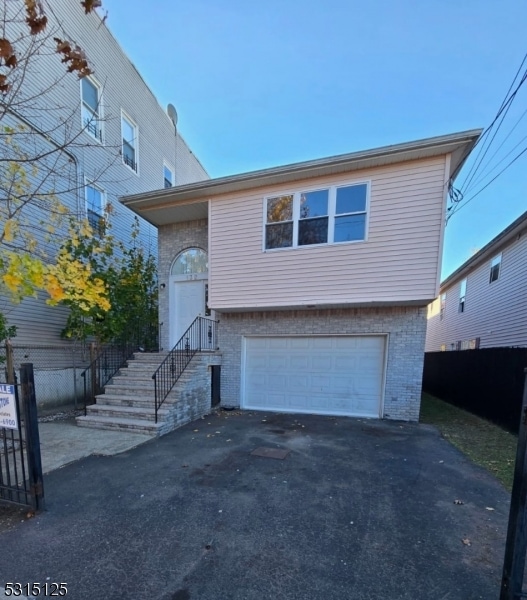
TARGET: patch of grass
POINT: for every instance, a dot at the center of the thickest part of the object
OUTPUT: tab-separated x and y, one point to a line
486	444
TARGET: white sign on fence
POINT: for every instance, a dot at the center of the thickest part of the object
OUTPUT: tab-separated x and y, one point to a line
8	407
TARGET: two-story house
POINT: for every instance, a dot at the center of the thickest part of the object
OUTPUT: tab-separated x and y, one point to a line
483	304
119	140
318	272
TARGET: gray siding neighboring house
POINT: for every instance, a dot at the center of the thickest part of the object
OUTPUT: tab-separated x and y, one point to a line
494	285
319	274
98	156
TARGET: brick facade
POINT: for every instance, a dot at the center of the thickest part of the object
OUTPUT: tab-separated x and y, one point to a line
405	326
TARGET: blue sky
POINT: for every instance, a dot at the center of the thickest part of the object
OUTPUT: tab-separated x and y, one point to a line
261	84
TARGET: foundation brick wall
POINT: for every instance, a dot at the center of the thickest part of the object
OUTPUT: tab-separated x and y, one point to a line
405	326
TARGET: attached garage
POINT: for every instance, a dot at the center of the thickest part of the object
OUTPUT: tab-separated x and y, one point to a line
329	375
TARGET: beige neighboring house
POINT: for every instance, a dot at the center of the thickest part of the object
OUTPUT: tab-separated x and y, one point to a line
318	272
483	304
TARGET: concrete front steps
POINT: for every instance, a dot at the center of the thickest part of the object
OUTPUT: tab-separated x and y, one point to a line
128	400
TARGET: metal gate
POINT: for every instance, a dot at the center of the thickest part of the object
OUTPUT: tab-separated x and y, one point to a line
20	462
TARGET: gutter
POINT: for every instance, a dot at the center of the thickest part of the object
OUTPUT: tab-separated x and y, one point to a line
516	227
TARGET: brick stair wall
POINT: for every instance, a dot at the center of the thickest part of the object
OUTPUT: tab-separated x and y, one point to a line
127	403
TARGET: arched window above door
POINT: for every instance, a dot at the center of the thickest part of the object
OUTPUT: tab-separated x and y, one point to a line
191	261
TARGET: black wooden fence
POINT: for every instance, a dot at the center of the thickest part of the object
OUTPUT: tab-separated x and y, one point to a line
487	382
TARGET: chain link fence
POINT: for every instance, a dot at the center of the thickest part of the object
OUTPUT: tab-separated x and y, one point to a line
57	370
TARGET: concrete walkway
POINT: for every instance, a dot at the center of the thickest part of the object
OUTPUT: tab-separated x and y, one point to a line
356	510
62	442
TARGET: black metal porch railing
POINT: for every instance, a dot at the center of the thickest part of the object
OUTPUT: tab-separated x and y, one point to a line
201	335
103	368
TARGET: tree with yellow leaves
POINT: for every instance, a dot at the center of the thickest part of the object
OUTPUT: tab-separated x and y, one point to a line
38	171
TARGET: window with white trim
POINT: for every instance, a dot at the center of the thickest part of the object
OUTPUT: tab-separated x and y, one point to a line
495	266
91	112
129	142
462	295
95	204
168	176
324	216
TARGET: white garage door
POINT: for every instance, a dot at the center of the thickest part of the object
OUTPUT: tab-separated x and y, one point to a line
330	375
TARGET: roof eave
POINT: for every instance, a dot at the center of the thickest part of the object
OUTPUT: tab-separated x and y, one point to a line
490	249
276	175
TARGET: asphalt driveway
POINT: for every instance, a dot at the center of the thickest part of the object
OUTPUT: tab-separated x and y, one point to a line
357	510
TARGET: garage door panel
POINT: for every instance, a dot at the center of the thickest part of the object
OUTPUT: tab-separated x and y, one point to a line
299	362
321	343
299	343
277	383
278	343
340	375
299	382
321	363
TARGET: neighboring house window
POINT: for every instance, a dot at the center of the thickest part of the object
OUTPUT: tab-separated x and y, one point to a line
130	142
95	208
442	348
168	177
443	307
465	345
495	265
462	295
325	216
91	108
474	344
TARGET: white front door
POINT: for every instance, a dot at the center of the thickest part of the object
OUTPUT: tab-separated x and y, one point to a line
189	303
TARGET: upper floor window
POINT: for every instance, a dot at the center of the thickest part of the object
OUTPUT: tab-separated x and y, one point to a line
442	307
91	108
130	142
324	216
462	295
95	208
168	176
495	266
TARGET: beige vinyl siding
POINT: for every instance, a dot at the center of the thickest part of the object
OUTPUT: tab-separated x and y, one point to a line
397	263
495	312
123	88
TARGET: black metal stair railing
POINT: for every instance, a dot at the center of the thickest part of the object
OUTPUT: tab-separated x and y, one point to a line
201	335
106	364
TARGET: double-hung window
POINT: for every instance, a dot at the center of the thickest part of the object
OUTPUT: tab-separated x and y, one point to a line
95	208
130	142
168	176
91	108
322	216
462	295
495	266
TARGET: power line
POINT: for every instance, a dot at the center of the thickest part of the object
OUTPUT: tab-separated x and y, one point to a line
505	106
504	109
460	206
483	177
